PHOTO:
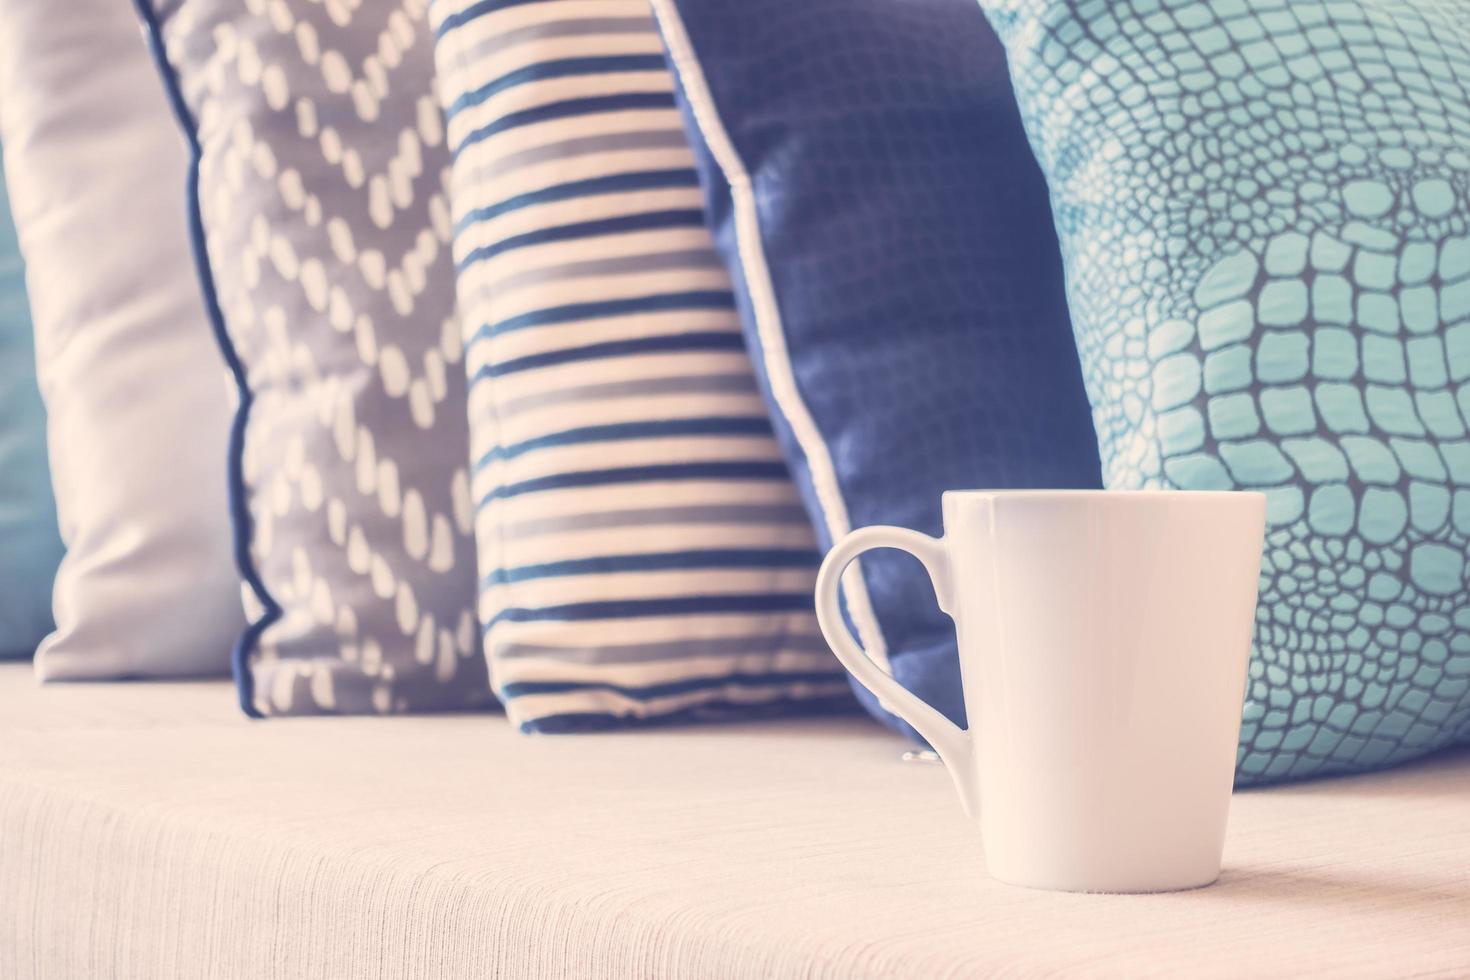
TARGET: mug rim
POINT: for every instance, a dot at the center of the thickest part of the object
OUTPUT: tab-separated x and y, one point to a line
1108	494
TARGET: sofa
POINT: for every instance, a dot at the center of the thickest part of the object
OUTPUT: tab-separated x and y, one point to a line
479	385
152	831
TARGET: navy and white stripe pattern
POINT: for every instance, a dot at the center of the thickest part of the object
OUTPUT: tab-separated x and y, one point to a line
643	552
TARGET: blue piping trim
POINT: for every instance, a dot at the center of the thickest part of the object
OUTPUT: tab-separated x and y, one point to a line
239	508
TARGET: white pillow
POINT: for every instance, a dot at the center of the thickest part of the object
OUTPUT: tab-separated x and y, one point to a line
132	378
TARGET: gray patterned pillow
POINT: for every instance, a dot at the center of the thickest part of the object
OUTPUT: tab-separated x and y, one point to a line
318	194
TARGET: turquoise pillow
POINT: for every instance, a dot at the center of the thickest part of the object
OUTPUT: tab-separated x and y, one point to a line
1264	210
30	546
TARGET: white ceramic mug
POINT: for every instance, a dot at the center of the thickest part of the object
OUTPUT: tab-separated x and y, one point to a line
1103	642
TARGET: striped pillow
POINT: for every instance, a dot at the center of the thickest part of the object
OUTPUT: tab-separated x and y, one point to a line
643	553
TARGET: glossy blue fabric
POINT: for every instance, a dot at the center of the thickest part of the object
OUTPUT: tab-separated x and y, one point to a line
30	546
913	261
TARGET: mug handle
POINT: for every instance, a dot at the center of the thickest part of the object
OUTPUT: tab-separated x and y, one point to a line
951	742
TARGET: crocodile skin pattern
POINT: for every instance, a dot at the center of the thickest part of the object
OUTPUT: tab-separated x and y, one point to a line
921	320
1264	211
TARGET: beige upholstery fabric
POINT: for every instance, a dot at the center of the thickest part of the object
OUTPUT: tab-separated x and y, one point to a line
149	831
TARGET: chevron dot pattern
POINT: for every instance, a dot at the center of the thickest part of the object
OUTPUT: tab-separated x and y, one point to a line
1265	212
643	552
321	164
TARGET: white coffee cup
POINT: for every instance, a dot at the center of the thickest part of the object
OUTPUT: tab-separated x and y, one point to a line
1103	643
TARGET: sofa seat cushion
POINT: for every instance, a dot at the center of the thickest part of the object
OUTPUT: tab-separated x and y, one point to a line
149	831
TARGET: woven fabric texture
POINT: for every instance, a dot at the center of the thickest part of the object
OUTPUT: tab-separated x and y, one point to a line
152	832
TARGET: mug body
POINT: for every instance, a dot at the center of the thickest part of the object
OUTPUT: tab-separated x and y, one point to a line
1104	638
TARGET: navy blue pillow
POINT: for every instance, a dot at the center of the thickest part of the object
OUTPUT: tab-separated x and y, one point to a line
898	275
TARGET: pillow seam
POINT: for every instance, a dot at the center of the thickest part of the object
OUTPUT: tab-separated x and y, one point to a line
827	488
240	519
